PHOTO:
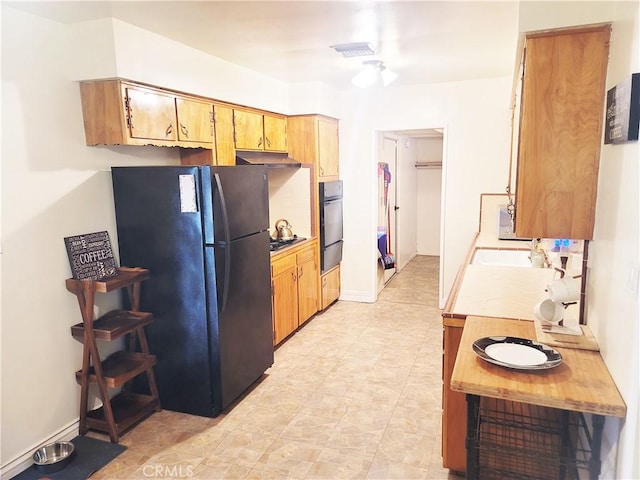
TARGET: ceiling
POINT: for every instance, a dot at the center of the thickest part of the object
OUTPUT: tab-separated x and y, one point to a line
421	41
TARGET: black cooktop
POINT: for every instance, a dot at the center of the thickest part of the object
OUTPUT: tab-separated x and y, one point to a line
276	244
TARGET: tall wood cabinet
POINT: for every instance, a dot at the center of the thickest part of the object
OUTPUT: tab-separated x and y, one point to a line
560	135
314	139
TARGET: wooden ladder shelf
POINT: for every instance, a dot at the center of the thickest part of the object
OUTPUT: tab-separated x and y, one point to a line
125	409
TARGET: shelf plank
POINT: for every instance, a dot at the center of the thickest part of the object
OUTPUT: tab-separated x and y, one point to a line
114	324
119	368
128	409
125	277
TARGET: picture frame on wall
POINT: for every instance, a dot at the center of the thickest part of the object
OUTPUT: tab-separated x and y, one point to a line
622	120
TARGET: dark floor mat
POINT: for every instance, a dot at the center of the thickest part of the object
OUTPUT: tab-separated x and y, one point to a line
90	455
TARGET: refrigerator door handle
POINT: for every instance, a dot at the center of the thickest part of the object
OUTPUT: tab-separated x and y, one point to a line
227	243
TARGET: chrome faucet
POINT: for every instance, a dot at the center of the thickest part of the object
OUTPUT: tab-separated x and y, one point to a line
537	256
534	247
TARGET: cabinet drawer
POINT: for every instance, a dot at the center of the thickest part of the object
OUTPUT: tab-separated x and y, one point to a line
282	264
306	255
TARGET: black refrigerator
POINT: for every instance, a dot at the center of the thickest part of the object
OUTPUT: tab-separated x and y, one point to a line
203	234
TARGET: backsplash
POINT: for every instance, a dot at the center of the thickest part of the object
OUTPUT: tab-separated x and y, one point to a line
290	198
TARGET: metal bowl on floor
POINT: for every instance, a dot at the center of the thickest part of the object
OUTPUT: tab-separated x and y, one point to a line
53	456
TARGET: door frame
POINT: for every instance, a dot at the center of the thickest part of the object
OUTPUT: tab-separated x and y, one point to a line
399	135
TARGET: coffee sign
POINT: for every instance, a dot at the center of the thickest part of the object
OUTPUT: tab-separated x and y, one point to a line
91	256
623	111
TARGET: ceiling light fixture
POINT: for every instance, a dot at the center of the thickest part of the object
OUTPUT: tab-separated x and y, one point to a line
374	72
354	49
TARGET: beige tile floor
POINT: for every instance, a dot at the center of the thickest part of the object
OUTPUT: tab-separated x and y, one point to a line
355	394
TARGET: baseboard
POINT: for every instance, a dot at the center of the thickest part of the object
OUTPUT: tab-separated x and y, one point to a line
355	296
25	460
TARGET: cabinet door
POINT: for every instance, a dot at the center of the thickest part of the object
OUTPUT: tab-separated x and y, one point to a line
330	287
308	277
225	151
454	413
560	133
195	120
248	128
275	133
285	304
328	149
150	114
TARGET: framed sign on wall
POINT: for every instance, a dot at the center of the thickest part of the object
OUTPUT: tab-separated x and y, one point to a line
623	111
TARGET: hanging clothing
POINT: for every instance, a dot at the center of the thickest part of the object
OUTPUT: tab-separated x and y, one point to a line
384	238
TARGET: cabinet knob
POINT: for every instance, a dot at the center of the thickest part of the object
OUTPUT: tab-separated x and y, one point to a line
184	130
169	130
260	142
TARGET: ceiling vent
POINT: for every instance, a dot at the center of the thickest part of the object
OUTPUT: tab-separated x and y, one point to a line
356	49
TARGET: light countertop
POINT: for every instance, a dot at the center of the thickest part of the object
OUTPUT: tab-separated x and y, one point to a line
509	292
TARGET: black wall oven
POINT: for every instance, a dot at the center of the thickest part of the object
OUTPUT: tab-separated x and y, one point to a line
330	224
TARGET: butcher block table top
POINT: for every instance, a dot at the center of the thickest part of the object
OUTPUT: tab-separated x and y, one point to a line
580	383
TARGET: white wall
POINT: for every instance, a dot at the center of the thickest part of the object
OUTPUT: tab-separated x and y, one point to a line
406	194
53	186
614	258
476	116
429	195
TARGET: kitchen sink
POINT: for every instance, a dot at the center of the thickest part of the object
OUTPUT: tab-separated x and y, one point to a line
504	258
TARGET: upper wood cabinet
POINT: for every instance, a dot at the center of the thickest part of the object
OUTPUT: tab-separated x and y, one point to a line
118	112
328	166
148	114
225	149
275	133
195	120
259	131
314	139
563	92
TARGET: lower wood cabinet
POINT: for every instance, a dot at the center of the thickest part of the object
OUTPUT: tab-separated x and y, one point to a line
284	297
330	283
454	406
294	289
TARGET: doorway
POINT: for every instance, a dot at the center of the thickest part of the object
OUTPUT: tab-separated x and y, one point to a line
416	193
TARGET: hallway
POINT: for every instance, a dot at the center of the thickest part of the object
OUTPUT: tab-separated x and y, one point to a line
356	393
